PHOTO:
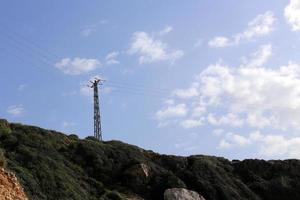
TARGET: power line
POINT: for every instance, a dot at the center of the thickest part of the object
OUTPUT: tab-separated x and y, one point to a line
140	90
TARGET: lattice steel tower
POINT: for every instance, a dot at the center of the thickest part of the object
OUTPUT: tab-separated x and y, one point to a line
97	115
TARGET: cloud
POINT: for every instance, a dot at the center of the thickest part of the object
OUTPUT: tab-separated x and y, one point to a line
262	25
260	57
186	94
77	65
22	86
219	42
85	90
166	30
230	119
151	50
224	144
292	14
249	96
259	93
15	110
280	146
234	140
269	145
191	123
111	58
218	132
88	30
171	111
66	124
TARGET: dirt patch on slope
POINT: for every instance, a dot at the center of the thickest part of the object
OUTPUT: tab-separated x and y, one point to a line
10	188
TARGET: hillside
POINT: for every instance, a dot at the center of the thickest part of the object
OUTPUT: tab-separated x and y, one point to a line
51	165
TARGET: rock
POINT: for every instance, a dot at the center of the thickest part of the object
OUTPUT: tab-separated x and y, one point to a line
10	188
181	194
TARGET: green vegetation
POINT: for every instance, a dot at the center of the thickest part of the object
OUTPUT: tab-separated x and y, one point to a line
4	127
51	166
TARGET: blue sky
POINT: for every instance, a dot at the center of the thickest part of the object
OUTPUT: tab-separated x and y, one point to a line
182	77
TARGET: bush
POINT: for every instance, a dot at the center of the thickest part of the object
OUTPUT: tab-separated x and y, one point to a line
4	127
73	137
92	138
2	158
112	195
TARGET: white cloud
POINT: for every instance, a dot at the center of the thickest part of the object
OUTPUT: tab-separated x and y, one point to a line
111	58
218	132
186	94
219	42
88	30
150	49
248	96
191	123
233	140
166	30
280	146
239	140
229	119
256	119
85	90
22	87
275	146
292	14
259	93
15	110
224	144
171	111
66	124
260	57
262	25
77	65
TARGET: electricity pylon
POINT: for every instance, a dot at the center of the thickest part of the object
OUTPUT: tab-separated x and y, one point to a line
97	114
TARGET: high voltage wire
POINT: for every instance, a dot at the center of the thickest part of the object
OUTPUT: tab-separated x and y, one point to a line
134	92
21	44
140	89
26	46
138	86
25	50
33	44
14	54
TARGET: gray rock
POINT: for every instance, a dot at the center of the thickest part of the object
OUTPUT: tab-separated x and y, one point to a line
181	194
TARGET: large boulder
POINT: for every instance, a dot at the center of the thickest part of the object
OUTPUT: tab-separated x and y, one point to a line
181	194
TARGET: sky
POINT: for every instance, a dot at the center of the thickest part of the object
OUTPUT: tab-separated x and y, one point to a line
182	77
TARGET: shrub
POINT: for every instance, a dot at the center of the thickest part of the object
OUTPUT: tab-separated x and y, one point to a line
2	158
112	195
4	127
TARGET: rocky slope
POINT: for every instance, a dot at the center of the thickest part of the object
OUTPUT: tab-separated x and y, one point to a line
10	188
51	165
